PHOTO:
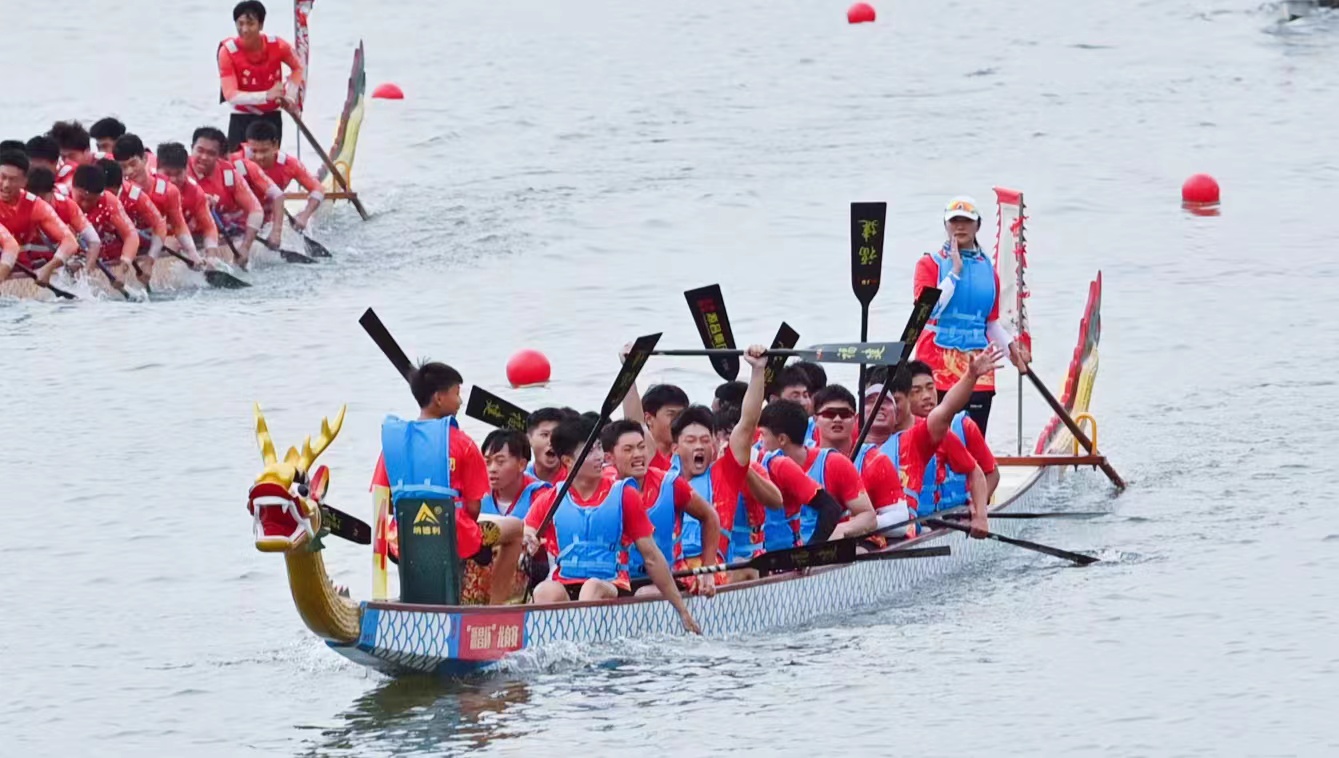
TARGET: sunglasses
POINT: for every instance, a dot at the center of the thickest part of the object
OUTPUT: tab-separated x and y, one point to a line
961	206
836	413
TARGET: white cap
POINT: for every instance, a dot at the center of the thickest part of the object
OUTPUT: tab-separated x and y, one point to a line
961	206
872	390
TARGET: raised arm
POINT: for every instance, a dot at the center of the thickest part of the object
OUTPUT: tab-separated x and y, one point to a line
741	439
957	398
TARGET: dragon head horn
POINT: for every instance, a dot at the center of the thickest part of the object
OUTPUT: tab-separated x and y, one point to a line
310	451
263	437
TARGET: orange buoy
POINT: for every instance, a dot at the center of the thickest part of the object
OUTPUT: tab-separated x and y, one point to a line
528	367
860	13
388	91
1200	189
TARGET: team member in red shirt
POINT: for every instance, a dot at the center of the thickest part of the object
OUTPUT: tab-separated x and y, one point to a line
130	153
835	411
661	404
784	424
597	520
921	400
251	73
120	241
269	194
25	215
229	195
436	387
666	497
173	165
144	215
75	149
262	146
42	183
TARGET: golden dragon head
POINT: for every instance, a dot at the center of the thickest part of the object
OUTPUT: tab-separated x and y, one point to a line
285	501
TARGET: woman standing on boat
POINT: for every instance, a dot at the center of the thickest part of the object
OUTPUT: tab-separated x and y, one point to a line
966	319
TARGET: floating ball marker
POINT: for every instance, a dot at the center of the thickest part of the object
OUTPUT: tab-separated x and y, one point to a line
388	91
1199	191
528	367
860	13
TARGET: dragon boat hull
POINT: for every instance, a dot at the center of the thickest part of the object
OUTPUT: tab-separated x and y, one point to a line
398	638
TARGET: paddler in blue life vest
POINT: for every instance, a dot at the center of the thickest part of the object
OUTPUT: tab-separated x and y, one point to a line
967	318
431	457
667	498
597	521
544	464
923	447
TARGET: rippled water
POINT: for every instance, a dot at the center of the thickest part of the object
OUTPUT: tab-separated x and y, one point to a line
556	177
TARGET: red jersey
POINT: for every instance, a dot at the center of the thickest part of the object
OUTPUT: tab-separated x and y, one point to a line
195	208
976	445
228	193
660	460
110	221
635	523
167	199
881	480
469	477
142	210
243	72
262	186
949	365
797	489
286	169
915	450
28	216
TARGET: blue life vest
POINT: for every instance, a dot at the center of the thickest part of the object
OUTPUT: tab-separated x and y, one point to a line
961	324
744	541
926	497
860	456
518	508
590	539
661	515
809	516
690	534
953	490
417	456
780	532
530	470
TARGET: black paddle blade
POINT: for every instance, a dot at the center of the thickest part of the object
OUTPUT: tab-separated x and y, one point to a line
293	256
343	525
315	249
785	339
491	409
632	366
863	353
224	280
707	305
867	227
382	336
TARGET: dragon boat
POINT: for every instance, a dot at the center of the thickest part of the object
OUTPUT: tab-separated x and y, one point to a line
456	640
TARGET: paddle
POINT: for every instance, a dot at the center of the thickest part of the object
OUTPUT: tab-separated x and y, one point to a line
382	336
707	305
785	339
873	353
867	226
116	283
920	314
213	277
329	164
833	553
632	365
491	409
1043	514
1082	560
314	248
57	291
218	221
343	525
289	256
1074	429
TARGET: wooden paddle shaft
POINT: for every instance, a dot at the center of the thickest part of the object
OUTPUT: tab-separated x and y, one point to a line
1075	430
329	164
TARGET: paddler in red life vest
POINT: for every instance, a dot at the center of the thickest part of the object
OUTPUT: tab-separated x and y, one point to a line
120	241
835	410
26	217
42	183
661	404
143	214
967	317
758	494
922	399
75	149
539	426
262	146
459	466
269	194
228	192
594	525
251	73
921	448
130	154
783	425
667	499
174	166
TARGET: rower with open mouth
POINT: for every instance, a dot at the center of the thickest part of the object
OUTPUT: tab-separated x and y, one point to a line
545	465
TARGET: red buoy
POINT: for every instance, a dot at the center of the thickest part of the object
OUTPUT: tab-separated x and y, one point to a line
1200	189
528	367
388	91
860	13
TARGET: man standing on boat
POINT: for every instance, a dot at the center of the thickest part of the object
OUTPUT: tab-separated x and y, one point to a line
251	73
967	317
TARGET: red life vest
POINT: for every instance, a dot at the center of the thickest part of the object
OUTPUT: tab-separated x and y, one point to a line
256	76
18	218
103	219
218	186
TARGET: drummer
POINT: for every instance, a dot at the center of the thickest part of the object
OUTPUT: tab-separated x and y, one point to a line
967	317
